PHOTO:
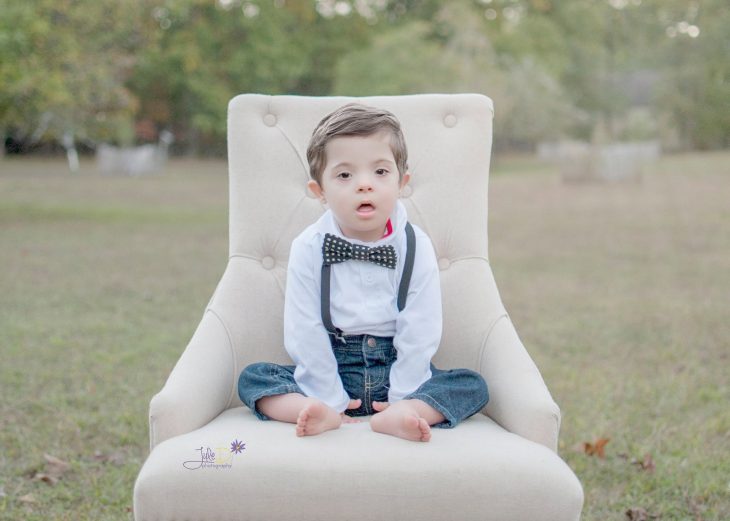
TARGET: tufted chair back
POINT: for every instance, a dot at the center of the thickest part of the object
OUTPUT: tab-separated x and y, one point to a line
449	141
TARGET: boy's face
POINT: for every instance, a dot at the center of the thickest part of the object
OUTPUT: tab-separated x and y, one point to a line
360	182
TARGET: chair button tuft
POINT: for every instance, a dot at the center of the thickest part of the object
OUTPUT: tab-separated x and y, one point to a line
450	120
268	262
444	263
270	120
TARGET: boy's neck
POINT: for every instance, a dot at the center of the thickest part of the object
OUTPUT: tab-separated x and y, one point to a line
387	231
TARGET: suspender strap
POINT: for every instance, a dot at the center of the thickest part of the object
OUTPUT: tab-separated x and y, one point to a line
326	316
405	282
405	279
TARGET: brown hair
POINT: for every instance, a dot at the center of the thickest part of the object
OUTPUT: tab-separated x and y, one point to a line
355	119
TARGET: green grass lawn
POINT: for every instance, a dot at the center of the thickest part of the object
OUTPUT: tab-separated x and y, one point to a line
619	291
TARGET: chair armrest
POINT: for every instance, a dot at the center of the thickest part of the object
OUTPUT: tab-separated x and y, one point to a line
519	399
200	385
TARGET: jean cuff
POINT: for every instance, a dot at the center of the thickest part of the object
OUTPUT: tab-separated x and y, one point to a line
450	420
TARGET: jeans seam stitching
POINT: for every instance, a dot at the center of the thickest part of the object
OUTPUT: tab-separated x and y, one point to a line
448	416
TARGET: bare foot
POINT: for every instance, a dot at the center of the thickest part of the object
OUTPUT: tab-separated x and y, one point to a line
402	422
316	418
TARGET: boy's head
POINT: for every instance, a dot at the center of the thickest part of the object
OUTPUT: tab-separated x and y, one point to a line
355	119
358	164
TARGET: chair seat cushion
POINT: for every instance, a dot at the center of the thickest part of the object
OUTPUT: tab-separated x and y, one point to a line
475	471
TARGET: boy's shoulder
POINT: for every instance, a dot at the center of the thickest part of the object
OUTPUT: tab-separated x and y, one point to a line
305	248
420	234
312	234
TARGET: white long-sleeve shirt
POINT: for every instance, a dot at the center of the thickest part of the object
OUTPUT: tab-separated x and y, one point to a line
363	300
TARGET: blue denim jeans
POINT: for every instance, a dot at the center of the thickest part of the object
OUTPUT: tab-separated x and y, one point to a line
364	362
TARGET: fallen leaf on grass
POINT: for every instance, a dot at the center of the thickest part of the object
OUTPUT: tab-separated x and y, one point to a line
597	448
48	478
639	514
55	468
117	458
646	464
28	498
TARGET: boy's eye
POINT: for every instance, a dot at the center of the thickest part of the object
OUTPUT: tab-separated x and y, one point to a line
344	175
381	171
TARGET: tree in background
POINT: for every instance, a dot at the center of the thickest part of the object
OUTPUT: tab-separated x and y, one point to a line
65	66
454	52
125	69
204	53
667	56
693	60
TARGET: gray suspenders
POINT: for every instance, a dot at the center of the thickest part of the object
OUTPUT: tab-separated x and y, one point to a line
405	282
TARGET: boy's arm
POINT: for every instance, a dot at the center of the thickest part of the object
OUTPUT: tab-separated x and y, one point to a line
418	326
305	337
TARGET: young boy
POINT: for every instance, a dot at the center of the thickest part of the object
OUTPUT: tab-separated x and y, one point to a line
361	322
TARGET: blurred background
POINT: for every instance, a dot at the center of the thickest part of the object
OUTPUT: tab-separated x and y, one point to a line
87	73
608	217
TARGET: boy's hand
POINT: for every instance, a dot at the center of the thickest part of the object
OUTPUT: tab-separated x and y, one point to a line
354	404
380	406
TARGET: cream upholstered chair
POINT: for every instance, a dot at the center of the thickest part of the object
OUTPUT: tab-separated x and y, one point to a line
212	459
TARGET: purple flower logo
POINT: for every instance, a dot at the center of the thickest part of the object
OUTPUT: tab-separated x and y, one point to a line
237	447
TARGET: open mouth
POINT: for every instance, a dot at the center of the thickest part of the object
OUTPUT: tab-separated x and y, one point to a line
366	208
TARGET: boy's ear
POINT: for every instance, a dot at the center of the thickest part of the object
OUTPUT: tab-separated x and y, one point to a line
404	181
315	189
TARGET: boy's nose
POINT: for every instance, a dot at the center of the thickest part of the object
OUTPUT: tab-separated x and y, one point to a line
365	185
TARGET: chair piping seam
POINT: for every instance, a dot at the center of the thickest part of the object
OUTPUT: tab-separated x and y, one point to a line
231	352
486	338
244	256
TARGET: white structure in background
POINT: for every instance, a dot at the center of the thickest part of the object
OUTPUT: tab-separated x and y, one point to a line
580	161
134	161
67	139
71	154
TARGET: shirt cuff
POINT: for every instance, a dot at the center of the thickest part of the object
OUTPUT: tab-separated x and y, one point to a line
341	406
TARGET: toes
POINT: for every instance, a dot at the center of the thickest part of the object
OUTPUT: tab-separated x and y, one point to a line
423	425
315	419
302	418
425	429
413	429
302	421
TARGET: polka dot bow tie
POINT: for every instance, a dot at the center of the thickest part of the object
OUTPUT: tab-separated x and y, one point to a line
336	249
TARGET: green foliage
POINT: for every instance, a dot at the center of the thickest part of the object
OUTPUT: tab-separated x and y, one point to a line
65	66
553	68
364	72
455	54
696	87
204	53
